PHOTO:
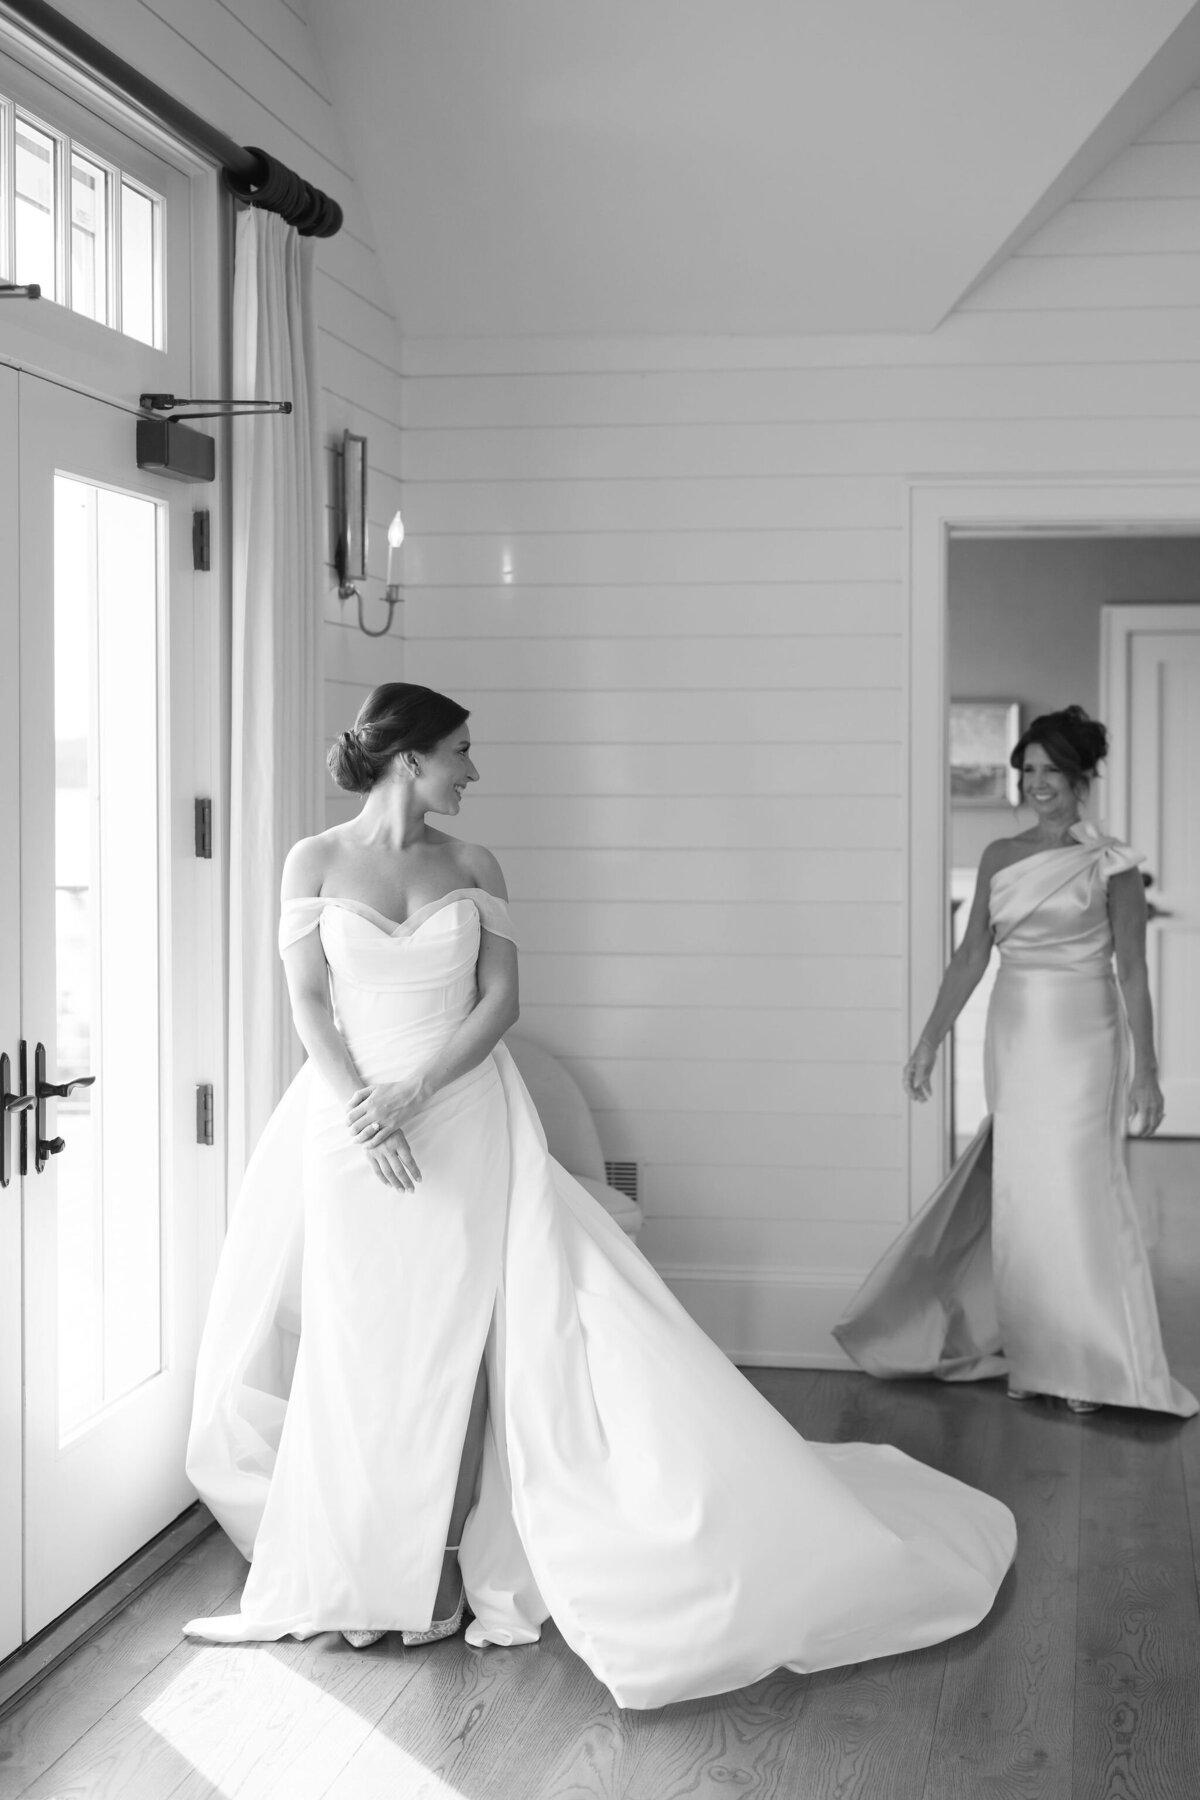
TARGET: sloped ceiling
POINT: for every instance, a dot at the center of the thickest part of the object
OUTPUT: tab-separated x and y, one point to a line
728	166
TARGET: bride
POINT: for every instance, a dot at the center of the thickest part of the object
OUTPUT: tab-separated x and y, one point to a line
402	1223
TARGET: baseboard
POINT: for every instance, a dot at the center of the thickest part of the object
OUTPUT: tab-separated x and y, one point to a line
34	1661
770	1318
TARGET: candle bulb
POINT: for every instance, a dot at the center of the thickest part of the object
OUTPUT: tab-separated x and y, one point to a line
395	538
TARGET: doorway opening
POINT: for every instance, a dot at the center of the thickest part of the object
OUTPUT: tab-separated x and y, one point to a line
939	511
1027	619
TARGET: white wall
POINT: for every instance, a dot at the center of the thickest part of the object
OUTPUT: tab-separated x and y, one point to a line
253	71
669	577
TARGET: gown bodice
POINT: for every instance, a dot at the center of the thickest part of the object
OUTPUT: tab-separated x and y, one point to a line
1050	910
399	989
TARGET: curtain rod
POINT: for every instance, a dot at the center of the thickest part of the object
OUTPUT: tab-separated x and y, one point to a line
248	173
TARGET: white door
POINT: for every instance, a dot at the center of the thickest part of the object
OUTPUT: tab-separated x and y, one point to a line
1152	684
113	938
10	1036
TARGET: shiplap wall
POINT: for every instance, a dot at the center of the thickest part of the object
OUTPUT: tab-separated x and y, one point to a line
669	578
253	70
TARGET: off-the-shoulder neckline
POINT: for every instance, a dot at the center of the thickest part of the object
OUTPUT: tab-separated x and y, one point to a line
389	924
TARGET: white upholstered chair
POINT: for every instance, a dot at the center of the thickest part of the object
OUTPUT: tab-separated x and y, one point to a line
569	1127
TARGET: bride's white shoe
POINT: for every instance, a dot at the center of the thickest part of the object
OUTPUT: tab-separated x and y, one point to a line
440	1628
360	1639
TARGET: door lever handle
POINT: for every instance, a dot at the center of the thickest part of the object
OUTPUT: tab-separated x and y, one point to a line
47	1090
44	1090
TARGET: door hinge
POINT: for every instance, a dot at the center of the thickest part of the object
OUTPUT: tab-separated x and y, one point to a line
204	1112
202	539
204	829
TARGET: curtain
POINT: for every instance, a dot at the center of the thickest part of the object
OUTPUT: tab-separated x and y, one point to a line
276	787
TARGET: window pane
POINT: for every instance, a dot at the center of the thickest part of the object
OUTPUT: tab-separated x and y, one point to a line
106	832
89	239
36	160
140	271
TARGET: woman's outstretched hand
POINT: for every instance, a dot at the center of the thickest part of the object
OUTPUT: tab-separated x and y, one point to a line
918	1072
376	1116
1146	1106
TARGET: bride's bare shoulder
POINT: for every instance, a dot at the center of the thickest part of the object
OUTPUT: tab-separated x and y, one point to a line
475	866
307	863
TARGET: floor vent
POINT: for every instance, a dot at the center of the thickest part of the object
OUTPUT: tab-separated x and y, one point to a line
624	1177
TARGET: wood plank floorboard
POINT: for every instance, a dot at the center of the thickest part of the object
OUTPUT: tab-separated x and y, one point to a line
451	1729
1005	1718
1138	1649
77	1694
865	1731
1080	1684
868	1729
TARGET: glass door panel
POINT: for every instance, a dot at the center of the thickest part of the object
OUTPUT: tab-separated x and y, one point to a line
110	909
10	1037
107	565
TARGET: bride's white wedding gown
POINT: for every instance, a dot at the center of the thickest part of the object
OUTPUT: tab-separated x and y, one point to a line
635	1486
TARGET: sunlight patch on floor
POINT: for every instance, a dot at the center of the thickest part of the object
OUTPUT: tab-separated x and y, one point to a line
262	1731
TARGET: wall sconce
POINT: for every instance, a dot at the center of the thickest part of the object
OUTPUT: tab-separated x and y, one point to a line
350	554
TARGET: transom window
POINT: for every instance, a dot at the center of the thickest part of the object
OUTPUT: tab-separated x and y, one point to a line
88	233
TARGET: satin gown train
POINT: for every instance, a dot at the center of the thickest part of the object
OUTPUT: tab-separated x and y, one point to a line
685	1539
1029	1261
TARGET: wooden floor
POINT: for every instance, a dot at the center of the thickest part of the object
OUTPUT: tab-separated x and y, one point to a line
1083	1684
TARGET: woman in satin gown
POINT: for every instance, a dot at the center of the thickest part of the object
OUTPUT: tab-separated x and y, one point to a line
400	1219
1028	1262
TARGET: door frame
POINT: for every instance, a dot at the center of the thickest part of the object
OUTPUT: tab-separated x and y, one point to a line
938	508
83	356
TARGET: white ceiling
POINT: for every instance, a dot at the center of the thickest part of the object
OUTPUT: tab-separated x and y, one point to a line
589	167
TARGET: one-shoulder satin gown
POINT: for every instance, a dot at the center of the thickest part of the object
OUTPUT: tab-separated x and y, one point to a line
1029	1261
685	1539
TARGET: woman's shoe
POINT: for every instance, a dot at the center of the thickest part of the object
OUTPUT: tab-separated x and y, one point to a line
441	1628
1083	1406
360	1639
1016	1393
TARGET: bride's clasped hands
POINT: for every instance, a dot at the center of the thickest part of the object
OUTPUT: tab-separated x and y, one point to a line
377	1116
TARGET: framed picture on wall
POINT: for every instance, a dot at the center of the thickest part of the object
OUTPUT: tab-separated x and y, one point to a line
983	735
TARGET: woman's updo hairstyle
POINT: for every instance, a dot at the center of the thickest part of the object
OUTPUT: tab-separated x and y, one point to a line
1075	743
394	717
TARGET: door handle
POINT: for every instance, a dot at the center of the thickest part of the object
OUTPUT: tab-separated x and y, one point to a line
11	1102
60	1090
44	1090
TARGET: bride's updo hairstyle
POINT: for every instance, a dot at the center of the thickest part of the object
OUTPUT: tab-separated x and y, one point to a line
397	716
1075	743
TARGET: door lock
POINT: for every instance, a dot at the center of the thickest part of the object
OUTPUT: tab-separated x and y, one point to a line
44	1090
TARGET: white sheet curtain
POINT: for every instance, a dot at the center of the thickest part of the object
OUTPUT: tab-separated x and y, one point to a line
276	785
